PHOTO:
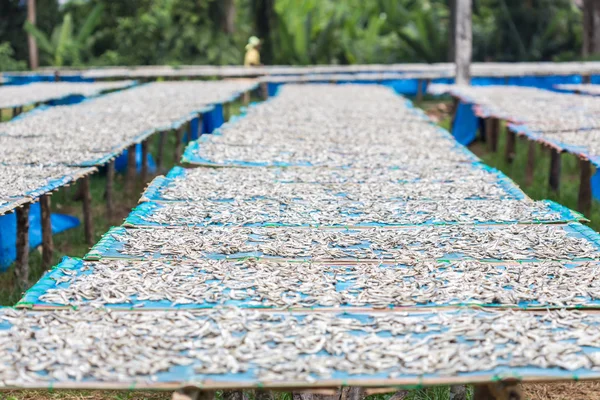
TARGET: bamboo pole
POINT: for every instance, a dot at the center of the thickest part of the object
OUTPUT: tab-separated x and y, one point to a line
110	178
584	200
555	167
162	142
509	150
178	144
530	167
131	170
88	224
22	263
144	161
47	241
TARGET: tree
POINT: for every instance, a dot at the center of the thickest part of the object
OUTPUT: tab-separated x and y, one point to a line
33	50
62	47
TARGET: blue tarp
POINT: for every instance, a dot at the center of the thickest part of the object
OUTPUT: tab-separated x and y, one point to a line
121	161
465	124
8	232
213	119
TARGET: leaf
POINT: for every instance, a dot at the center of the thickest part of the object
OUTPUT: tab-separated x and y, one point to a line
42	40
64	40
89	25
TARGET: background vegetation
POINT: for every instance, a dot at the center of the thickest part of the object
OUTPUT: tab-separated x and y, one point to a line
147	32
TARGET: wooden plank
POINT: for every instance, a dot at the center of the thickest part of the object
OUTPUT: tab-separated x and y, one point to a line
463	42
47	241
144	176
555	167
530	167
584	200
22	263
131	171
88	224
110	178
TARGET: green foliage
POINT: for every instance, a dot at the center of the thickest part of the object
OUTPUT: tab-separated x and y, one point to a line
7	61
175	32
63	47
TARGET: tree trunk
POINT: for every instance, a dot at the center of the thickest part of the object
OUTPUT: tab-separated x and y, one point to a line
264	16
591	27
463	42
228	22
33	50
451	29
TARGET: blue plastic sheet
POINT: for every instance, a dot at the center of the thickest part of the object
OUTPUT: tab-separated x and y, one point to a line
213	119
121	161
8	232
465	124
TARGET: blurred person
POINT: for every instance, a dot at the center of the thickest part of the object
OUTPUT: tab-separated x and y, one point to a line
252	57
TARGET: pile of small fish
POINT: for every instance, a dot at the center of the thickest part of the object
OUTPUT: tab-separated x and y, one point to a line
495	242
144	347
41	92
27	182
305	218
106	125
159	284
334	210
567	121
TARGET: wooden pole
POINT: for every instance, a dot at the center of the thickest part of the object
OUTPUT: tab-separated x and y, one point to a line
463	42
110	179
419	90
144	161
193	394
530	167
509	149
498	391
162	142
492	126
264	90
246	97
227	111
32	44
584	201
178	144
47	241
22	263
131	170
88	224
555	167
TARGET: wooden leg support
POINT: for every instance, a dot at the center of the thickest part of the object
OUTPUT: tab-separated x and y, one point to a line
584	201
555	166
179	144
199	130
131	170
47	242
491	132
233	395
88	224
419	90
264	90
458	392
193	394
246	98
162	142
453	111
498	391
144	161
530	167
227	111
509	150
22	264
110	179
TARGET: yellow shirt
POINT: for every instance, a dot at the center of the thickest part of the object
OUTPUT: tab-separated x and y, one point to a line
252	58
